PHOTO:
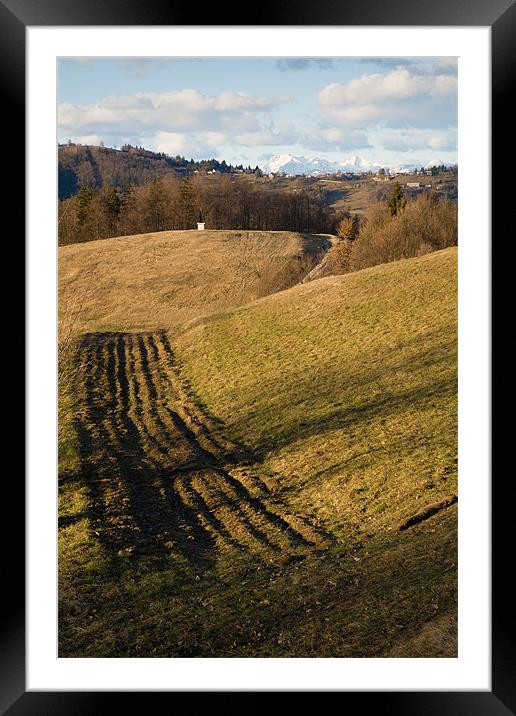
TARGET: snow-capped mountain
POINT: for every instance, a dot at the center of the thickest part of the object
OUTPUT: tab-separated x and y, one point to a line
288	164
408	168
359	164
403	168
436	163
313	166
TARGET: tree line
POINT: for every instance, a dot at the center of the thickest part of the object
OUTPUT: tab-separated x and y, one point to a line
87	167
169	203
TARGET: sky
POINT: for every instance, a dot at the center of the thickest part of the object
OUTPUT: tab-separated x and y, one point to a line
388	110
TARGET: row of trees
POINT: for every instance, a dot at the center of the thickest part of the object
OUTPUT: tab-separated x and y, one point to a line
222	202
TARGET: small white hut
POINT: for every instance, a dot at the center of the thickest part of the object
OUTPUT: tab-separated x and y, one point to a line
200	226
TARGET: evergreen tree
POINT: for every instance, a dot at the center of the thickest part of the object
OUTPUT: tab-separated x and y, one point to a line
113	207
156	210
187	204
113	204
397	201
84	198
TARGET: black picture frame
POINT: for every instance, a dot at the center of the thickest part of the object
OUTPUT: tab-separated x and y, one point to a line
500	15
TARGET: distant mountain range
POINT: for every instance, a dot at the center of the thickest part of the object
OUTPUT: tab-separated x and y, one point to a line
313	166
98	167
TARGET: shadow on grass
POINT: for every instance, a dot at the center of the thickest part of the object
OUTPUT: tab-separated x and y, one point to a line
346	417
326	605
154	490
133	504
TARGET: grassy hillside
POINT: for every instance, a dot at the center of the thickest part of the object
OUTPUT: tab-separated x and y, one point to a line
276	479
346	387
169	278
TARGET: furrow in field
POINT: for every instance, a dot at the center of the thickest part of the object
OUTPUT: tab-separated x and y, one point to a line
256	509
173	522
257	485
207	517
157	442
201	426
232	514
138	509
161	475
157	415
109	492
204	428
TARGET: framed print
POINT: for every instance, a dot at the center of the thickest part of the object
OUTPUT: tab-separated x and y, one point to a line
258	355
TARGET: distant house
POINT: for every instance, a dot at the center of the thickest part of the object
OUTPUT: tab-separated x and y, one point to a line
413	184
200	226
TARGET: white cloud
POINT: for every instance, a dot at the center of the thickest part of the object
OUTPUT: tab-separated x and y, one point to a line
89	139
205	144
413	139
174	143
173	111
401	104
214	139
446	64
116	102
237	101
401	96
397	84
427	65
266	136
336	139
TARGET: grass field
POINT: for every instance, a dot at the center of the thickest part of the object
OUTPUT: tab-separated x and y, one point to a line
331	370
277	478
171	277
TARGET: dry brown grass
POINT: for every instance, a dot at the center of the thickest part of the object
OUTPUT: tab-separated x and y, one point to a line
356	196
437	637
169	278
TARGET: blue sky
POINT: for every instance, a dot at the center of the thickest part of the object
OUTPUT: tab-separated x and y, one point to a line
387	110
